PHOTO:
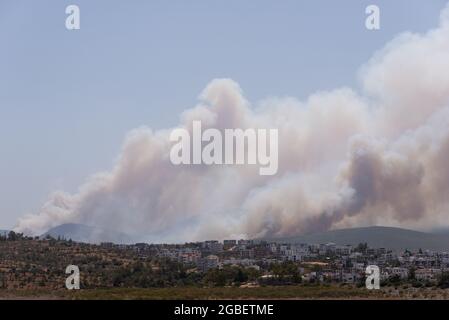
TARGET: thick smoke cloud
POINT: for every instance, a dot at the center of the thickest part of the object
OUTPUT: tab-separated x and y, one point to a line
346	158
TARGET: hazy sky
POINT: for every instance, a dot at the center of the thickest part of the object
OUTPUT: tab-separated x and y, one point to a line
67	98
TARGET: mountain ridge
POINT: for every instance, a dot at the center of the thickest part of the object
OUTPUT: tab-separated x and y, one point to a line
376	237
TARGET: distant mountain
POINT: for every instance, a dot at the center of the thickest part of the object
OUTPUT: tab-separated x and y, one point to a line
377	237
87	234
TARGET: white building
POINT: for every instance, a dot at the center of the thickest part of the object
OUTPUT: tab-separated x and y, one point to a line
210	262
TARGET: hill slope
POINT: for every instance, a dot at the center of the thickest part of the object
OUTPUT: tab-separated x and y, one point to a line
87	234
377	237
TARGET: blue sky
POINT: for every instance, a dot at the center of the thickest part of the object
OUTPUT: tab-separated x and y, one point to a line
67	98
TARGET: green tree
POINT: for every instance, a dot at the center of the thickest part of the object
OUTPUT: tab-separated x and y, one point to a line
241	276
443	281
412	273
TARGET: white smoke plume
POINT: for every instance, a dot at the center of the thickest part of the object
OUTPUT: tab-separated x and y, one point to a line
346	158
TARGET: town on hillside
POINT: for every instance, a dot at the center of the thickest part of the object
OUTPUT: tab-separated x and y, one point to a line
30	263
